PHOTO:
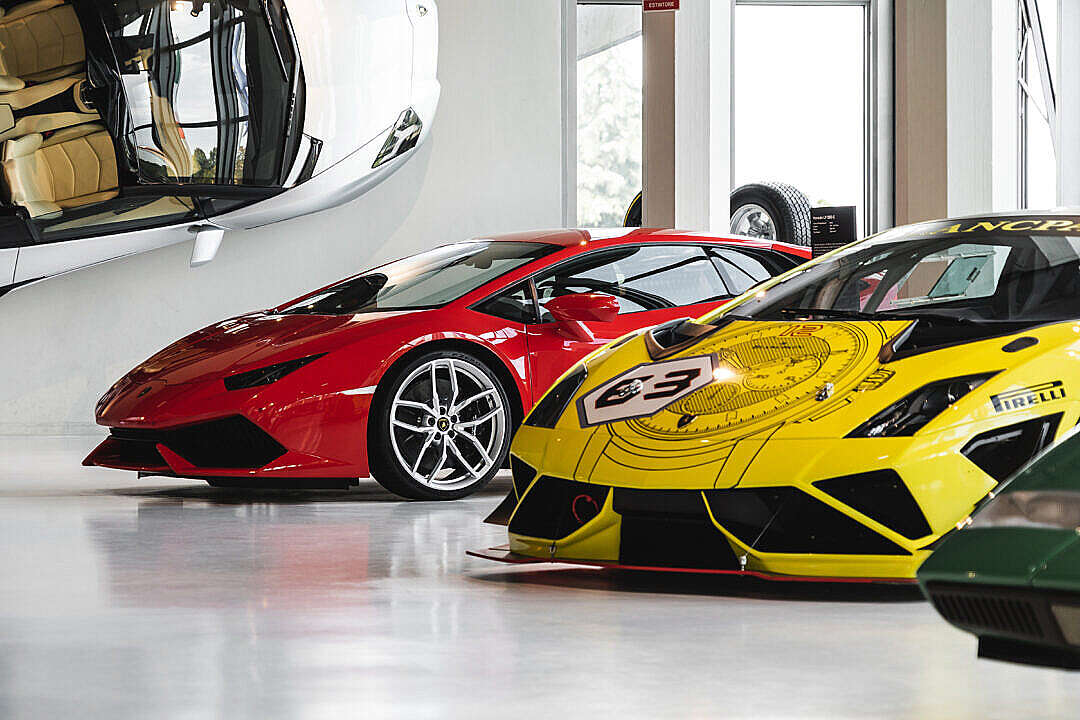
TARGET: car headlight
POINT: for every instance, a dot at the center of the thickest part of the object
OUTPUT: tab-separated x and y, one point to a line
909	414
268	374
1056	509
551	407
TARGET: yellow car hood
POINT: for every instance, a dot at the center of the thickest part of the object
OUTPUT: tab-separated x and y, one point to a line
774	382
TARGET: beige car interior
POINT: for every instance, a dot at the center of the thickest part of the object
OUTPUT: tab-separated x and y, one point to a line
54	152
76	166
43	108
41	40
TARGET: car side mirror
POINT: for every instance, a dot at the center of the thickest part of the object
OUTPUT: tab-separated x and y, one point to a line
571	312
207	242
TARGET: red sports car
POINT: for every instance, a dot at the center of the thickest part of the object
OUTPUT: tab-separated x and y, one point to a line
418	371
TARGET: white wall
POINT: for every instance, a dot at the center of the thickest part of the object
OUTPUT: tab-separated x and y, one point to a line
492	164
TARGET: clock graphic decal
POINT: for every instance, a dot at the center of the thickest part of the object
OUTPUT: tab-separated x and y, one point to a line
767	373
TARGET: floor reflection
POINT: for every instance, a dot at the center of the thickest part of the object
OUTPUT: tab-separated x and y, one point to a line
205	547
176	599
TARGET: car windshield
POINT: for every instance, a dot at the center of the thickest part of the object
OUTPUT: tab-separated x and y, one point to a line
214	89
1014	272
426	280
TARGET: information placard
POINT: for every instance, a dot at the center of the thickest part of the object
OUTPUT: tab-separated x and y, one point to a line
660	5
830	228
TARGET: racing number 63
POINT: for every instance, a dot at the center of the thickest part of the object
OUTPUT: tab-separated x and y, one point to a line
645	389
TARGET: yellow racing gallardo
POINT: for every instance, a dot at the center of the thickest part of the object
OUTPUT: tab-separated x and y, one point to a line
834	422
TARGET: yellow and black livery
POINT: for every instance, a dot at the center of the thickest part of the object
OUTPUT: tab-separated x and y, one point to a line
835	422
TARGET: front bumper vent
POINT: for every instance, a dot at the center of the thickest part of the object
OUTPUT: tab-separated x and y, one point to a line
227	443
1002	611
787	520
553	508
883	496
670	528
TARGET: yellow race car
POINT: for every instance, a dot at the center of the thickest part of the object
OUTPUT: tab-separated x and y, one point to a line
834	422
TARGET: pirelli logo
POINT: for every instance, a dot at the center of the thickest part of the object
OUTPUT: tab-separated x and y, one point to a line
1028	396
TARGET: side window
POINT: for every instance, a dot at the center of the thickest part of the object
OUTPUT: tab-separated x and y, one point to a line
740	271
117	215
514	304
642	277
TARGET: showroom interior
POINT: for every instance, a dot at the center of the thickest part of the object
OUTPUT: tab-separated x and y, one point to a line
331	579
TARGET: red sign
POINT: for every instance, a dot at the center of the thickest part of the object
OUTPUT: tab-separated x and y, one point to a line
660	5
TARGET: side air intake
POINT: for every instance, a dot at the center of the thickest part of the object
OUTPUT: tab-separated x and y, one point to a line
1002	451
880	495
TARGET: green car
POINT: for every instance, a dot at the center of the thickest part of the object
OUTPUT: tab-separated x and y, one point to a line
1010	574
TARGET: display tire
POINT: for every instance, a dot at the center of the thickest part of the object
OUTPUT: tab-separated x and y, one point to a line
386	465
633	213
786	205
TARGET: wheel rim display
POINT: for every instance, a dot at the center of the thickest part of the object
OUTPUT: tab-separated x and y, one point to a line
447	424
753	221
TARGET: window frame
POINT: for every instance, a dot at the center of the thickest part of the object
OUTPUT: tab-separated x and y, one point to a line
878	70
530	279
879	180
1031	38
200	195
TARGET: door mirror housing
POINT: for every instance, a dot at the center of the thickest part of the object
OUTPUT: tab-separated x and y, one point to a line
207	242
571	312
583	307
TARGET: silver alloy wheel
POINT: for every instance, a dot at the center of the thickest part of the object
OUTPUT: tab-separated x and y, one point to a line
753	221
447	424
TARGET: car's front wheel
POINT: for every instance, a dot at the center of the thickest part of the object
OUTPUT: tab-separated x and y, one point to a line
440	427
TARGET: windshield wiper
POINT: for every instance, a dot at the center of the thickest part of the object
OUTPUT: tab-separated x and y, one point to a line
932	317
880	316
830	313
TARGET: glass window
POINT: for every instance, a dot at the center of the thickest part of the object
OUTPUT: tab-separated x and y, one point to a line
122	214
799	100
212	90
995	279
740	272
515	305
1038	170
609	83
426	280
643	277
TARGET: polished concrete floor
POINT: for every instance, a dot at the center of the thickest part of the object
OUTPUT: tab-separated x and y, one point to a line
127	598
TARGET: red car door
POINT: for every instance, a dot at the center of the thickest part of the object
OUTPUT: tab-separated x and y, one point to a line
653	284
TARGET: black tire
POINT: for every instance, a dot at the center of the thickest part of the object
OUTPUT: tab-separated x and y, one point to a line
386	467
633	213
785	204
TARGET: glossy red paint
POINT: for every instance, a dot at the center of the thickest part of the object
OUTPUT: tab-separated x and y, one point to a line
319	412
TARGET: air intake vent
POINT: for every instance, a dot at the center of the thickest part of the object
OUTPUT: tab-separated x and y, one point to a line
883	496
670	528
1001	452
993	610
787	520
227	443
523	475
553	508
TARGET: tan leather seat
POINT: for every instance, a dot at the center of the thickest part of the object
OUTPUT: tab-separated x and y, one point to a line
41	40
43	108
74	167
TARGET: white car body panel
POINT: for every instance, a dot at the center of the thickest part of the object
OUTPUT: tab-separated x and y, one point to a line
37	262
8	258
399	72
357	57
365	62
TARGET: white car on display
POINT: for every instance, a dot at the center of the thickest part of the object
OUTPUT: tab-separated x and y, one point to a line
128	125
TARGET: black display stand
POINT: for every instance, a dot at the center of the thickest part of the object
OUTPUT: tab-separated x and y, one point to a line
830	228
